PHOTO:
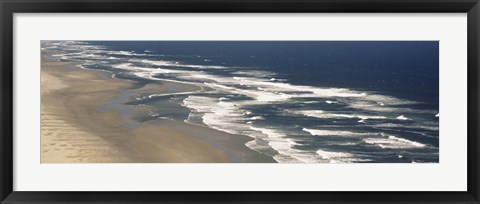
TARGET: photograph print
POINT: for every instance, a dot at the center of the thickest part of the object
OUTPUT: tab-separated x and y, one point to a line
239	101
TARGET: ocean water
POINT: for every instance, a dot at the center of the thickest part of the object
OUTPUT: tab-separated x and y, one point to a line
300	101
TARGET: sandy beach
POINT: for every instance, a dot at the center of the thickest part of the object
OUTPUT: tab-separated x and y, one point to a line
83	120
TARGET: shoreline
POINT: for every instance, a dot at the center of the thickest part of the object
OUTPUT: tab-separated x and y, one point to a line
83	120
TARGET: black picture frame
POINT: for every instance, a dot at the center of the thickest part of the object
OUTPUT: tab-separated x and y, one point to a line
9	7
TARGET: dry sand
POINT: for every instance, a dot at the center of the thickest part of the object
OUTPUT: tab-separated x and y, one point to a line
75	128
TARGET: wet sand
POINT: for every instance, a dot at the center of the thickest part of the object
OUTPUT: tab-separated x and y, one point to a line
82	122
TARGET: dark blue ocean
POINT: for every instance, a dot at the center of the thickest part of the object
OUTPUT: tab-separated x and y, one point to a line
301	101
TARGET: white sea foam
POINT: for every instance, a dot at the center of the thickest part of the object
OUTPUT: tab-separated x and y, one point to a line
422	126
334	157
177	64
228	117
257	118
173	94
271	91
393	142
269	132
150	73
261	96
254	73
323	114
285	147
330	102
224	116
402	117
125	53
318	132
